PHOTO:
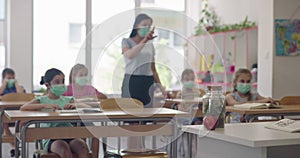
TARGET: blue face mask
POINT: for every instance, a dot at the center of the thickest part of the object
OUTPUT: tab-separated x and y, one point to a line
189	84
244	87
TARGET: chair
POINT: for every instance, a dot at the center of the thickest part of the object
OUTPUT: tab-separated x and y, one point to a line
18	97
123	104
202	92
120	104
10	97
227	92
290	100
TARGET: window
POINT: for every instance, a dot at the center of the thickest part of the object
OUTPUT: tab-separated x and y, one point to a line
2	34
2	9
109	65
57	35
178	5
2	57
108	74
76	33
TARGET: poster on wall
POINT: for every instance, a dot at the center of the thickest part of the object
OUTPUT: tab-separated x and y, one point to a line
287	36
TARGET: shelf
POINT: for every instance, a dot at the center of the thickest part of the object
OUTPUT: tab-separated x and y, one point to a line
224	32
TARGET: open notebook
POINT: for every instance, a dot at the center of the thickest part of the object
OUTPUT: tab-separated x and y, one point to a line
256	106
91	107
286	125
81	110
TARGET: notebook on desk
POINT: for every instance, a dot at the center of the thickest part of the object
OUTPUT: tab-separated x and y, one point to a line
257	106
81	110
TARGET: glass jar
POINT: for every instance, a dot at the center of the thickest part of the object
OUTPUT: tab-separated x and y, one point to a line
214	105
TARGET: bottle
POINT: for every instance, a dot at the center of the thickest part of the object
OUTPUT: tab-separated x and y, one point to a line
214	108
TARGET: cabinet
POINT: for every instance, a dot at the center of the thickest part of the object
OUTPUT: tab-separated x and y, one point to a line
215	57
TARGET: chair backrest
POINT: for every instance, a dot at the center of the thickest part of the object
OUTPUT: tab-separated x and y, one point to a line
18	97
227	92
202	92
290	100
120	103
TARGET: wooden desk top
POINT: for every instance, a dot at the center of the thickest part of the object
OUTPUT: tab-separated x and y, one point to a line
285	109
14	115
248	134
8	104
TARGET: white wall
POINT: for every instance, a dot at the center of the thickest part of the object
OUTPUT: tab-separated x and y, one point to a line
1	31
234	11
265	48
19	40
286	74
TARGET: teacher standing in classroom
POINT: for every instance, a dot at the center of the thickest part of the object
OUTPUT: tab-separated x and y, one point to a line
140	71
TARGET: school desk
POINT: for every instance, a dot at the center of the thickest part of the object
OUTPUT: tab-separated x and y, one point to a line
244	140
146	114
7	105
285	110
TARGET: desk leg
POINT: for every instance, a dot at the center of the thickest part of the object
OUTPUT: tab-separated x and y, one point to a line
17	142
190	144
23	138
174	141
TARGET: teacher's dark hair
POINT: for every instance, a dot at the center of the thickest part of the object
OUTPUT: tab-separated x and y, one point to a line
49	75
137	21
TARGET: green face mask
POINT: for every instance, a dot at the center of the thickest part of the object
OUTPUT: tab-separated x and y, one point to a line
143	32
244	87
58	89
189	84
10	83
81	81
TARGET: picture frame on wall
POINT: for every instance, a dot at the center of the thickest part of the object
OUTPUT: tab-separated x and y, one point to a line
287	37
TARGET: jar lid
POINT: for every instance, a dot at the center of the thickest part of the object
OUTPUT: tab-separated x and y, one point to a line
214	87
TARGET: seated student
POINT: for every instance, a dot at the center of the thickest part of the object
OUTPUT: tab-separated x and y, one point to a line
65	148
78	86
188	92
242	93
9	85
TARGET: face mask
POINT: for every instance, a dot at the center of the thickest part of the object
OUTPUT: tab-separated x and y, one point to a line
10	83
81	81
143	31
244	87
189	84
58	89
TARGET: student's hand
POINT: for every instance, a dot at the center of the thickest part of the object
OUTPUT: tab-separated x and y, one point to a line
150	36
4	83
69	106
16	83
269	100
51	106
